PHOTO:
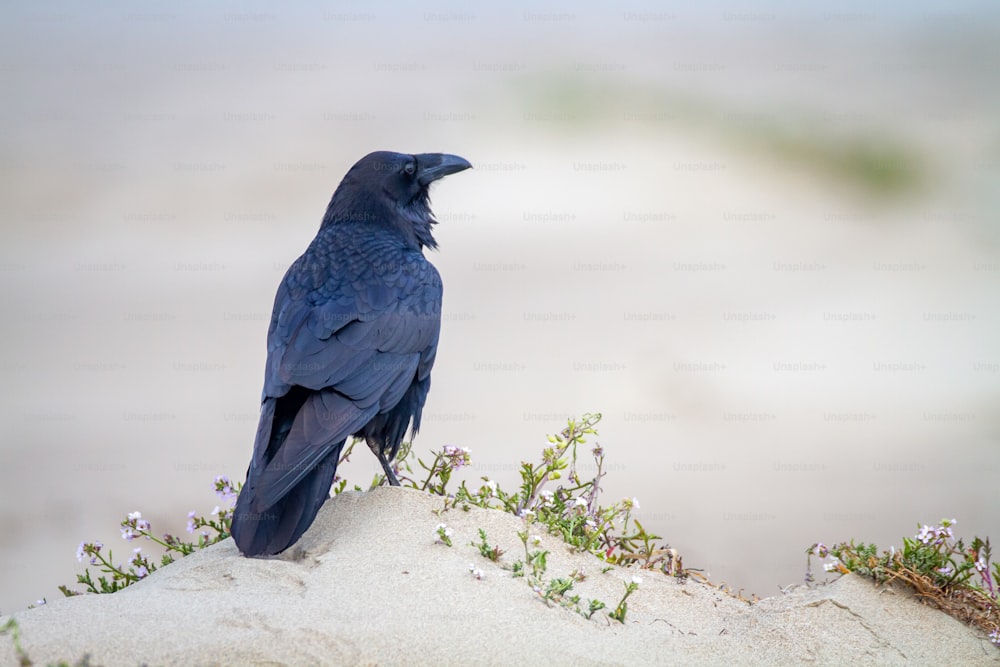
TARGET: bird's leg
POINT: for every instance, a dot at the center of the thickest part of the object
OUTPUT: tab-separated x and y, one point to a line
389	474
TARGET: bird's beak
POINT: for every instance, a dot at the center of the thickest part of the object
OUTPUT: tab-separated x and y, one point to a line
432	166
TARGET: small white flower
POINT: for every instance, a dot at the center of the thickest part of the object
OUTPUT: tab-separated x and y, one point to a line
636	579
476	572
536	540
580	502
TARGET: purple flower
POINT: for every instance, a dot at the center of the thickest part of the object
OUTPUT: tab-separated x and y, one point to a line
459	456
224	488
88	549
190	525
944	530
139	563
133	526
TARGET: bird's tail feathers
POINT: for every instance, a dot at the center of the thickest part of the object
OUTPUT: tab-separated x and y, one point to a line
265	530
280	499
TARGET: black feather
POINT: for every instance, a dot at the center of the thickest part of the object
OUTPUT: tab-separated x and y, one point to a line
352	340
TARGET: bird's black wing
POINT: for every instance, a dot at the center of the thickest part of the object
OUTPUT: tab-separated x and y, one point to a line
355	329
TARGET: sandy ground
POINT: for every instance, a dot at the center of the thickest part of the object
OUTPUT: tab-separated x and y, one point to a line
781	357
368	585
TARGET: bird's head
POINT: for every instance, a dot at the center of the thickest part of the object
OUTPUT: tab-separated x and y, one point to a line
393	188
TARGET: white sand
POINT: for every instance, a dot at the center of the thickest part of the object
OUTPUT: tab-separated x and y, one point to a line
368	585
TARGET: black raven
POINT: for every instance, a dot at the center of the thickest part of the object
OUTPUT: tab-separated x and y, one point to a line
352	339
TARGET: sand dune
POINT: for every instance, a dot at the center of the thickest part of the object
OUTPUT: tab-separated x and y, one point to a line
368	585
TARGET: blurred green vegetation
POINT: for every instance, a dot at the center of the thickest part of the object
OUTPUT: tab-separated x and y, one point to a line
865	156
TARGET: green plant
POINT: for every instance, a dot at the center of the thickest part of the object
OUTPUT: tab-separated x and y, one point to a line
630	587
444	534
939	568
493	553
139	566
572	510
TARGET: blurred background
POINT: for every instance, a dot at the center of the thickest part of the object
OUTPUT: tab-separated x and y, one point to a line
762	241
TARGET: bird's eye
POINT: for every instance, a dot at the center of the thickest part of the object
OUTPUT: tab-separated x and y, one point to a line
409	168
